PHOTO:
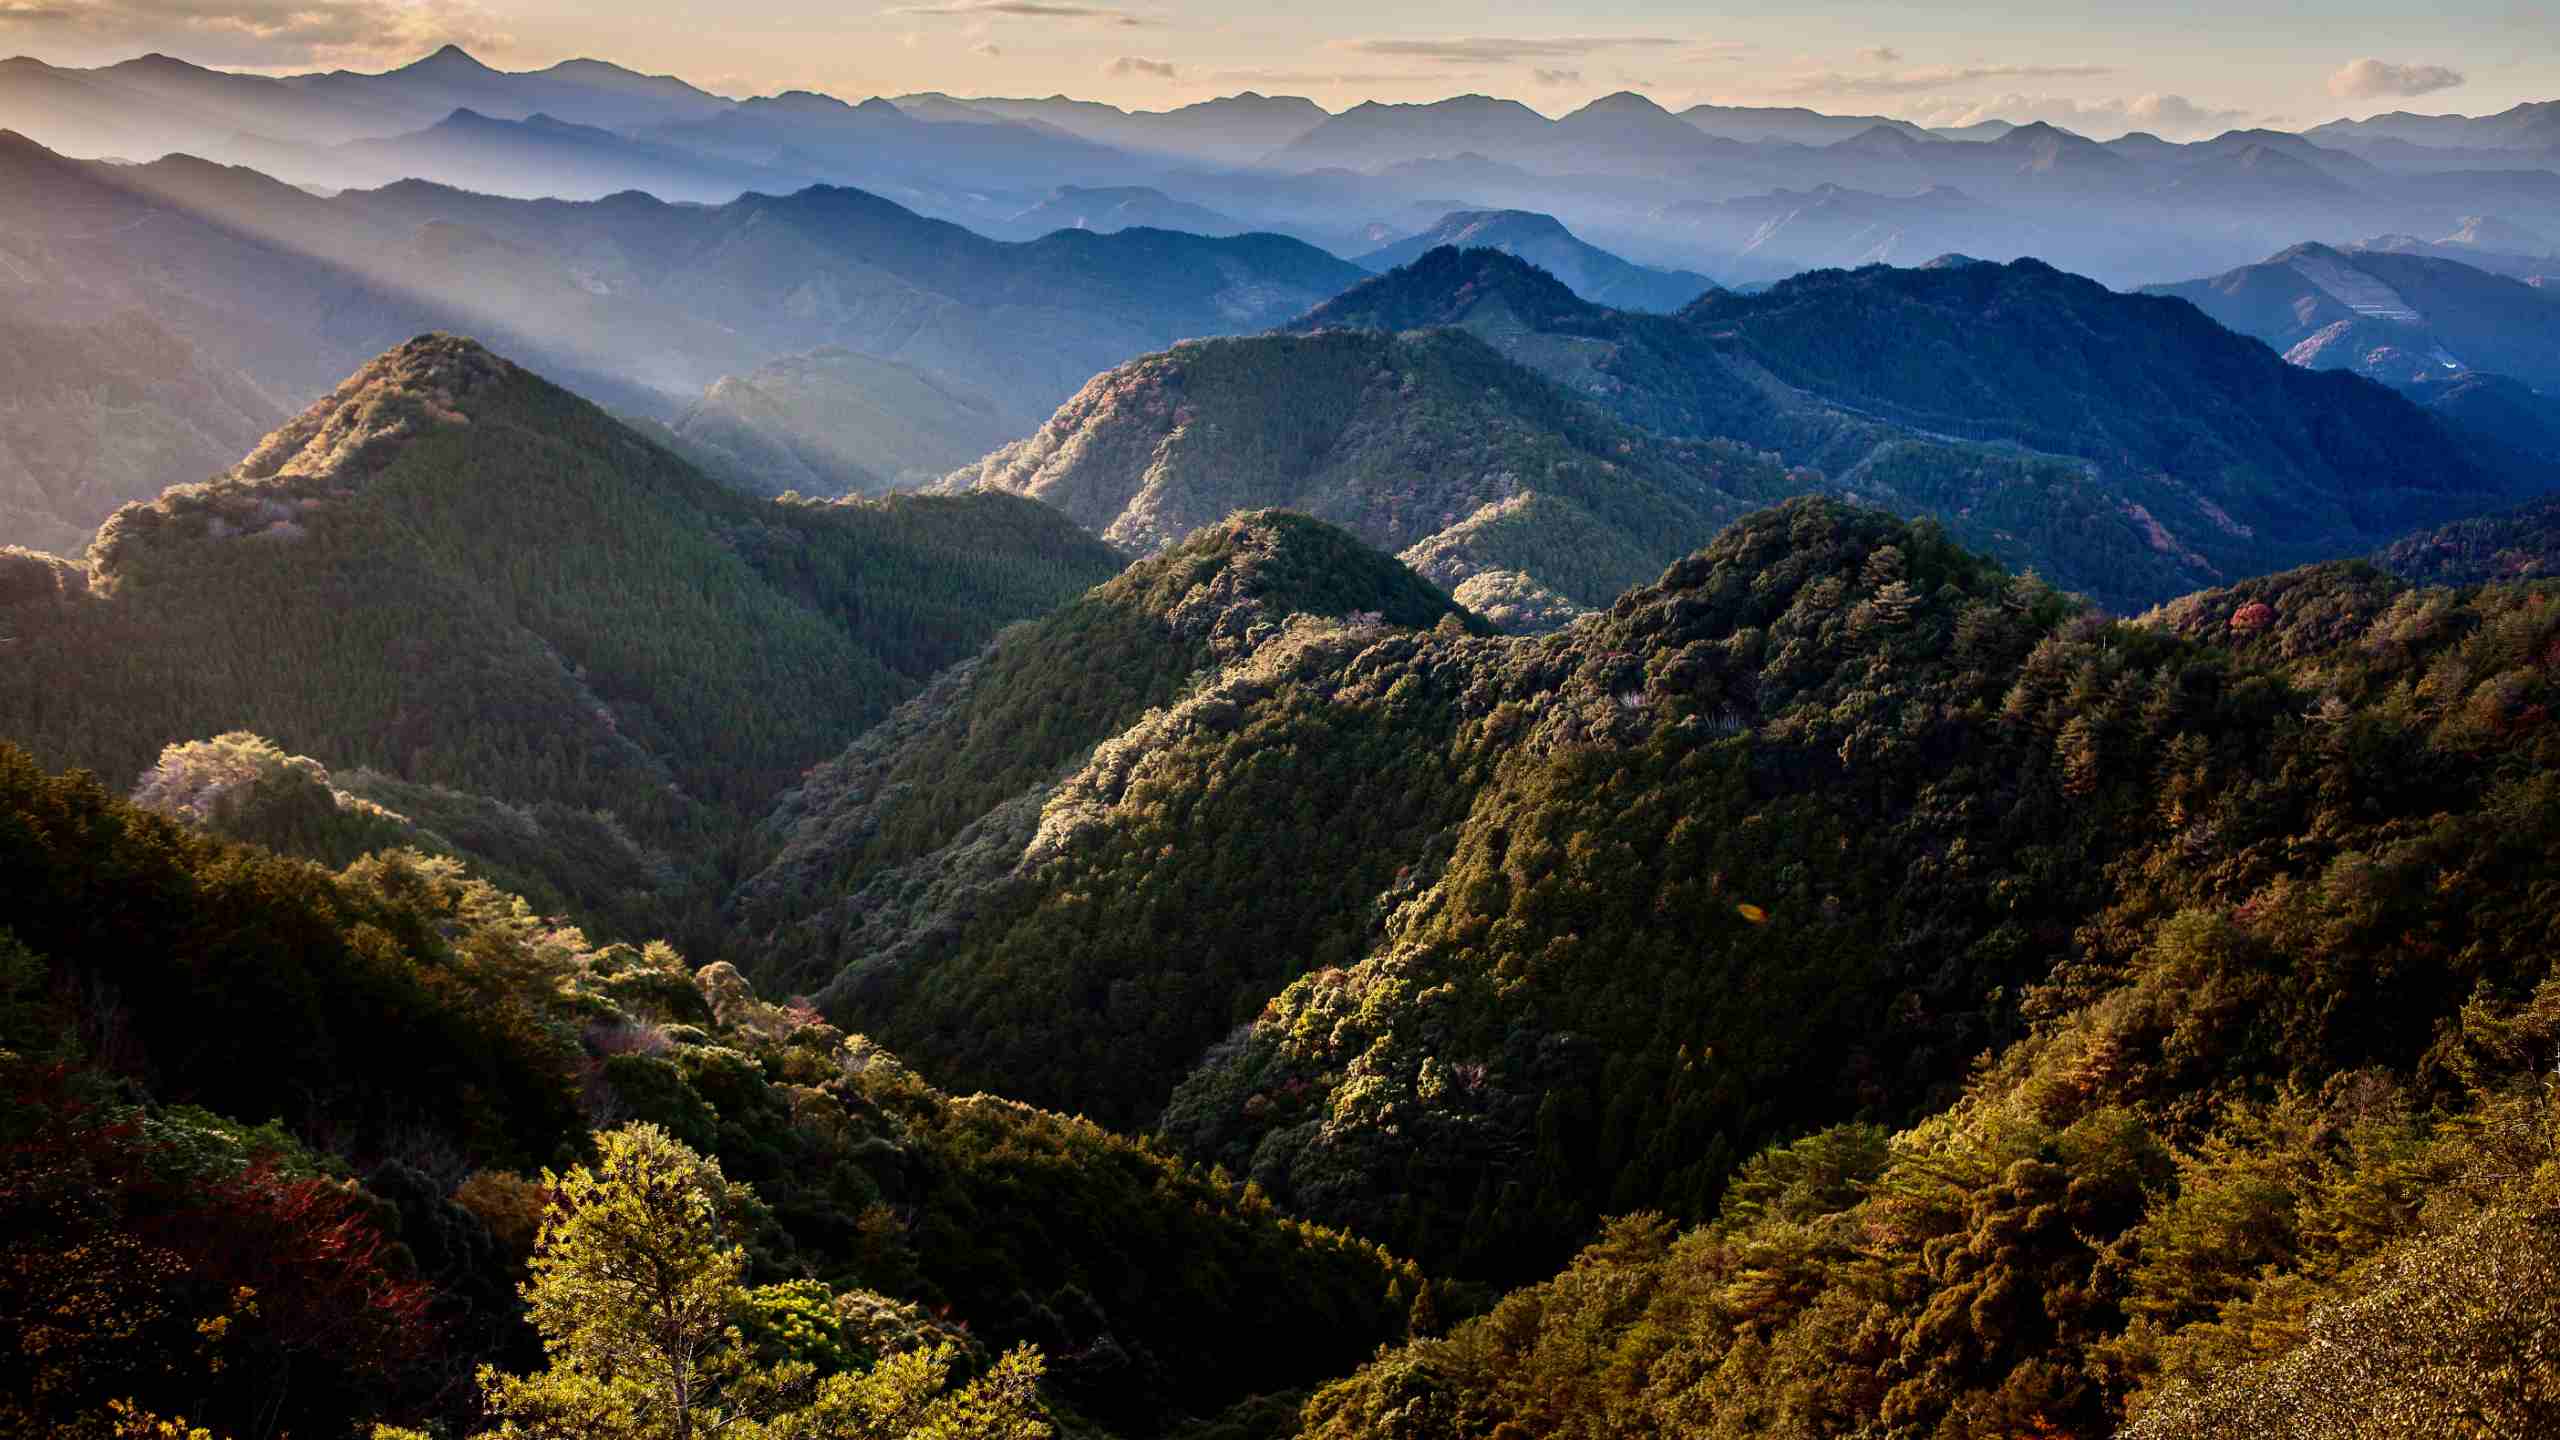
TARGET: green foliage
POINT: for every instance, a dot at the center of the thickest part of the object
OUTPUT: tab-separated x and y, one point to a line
1414	443
362	1003
636	1288
459	576
2272	1135
2519	544
407	1024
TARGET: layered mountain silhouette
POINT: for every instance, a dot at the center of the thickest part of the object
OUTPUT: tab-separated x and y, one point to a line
834	422
1485	477
268	293
2001	399
1543	241
2139	209
1104	209
2399	317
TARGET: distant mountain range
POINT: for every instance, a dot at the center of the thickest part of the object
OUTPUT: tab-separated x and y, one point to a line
2388	313
1531	450
1486	478
1543	241
269	293
2001	399
2528	127
2135	210
1105	209
834	422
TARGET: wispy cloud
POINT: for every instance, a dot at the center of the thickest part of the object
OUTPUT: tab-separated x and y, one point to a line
2172	116
1559	77
2370	79
1128	65
261	33
1491	50
1024	9
1881	55
1922	81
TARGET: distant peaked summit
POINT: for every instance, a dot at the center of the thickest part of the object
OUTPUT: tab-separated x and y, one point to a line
1887	140
2250	173
2498	236
1590	272
1789	125
2387	311
2046	148
1106	209
1622	102
446	60
1461	227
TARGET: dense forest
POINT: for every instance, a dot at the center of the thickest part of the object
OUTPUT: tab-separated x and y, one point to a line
1490	480
2278	1151
455	575
422	1053
1525	932
462	858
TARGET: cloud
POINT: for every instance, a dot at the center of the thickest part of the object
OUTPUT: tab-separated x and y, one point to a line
2370	79
1132	65
988	49
255	33
1487	50
1916	82
2179	115
1881	55
2171	116
1558	77
1024	9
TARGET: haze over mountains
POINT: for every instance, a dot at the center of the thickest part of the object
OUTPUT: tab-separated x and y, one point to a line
1431	772
272	293
2132	210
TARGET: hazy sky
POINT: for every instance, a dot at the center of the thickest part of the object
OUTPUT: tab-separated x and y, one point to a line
2102	68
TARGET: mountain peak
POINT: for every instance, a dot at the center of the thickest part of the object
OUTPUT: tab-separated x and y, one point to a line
1443	286
1465	227
435	381
1226	578
452	58
1625	102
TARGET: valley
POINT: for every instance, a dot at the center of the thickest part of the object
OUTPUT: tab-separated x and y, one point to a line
840	764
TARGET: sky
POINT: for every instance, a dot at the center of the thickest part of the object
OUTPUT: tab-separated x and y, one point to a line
2102	68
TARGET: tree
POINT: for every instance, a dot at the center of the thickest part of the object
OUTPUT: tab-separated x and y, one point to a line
637	1281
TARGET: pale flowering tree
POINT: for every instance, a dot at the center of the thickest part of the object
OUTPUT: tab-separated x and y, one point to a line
209	781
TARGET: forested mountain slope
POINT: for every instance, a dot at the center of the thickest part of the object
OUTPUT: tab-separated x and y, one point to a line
952	790
1579	922
2518	544
2275	1153
455	573
2120	445
1488	479
419	1046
